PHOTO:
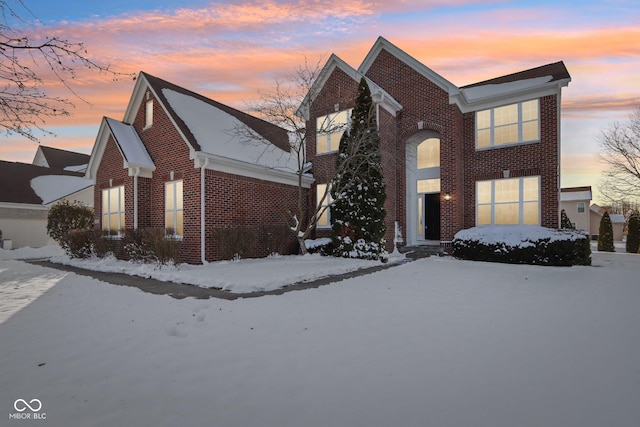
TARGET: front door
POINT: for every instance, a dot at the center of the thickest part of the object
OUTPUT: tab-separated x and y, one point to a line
432	216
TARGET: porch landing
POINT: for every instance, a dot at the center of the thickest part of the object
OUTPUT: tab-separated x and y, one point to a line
422	251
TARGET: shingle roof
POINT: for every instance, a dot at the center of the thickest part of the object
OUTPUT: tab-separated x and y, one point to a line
272	133
15	181
60	159
557	70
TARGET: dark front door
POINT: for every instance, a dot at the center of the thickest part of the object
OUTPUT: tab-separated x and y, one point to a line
432	216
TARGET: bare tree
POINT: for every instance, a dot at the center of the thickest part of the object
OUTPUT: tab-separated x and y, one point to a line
620	151
287	106
24	59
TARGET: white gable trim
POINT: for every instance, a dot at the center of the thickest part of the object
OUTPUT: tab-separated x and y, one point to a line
379	95
237	167
428	73
98	151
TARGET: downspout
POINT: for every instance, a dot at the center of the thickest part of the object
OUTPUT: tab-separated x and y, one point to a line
135	198
202	211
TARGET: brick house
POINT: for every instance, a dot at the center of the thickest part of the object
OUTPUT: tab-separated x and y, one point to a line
453	157
187	163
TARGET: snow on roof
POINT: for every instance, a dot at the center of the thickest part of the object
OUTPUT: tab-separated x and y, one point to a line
77	168
221	134
129	142
53	187
617	218
475	93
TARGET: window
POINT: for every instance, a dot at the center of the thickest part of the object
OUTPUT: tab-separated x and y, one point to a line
429	153
508	201
173	208
323	219
113	209
148	114
428	185
581	207
329	130
510	124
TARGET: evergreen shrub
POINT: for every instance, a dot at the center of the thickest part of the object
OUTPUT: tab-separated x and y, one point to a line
605	234
633	233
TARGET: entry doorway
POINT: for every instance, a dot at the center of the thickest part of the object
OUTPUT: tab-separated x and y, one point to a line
428	217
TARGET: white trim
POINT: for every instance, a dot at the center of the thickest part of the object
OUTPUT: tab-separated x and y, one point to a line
27	206
249	170
419	67
203	167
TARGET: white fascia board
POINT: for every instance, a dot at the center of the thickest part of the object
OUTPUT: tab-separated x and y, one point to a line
30	206
418	66
249	170
465	106
98	150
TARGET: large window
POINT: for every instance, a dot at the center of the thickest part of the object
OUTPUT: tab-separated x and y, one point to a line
173	208
323	218
508	201
113	210
510	124
329	130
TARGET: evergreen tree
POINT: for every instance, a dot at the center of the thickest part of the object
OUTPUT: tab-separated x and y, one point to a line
565	222
358	214
605	234
633	234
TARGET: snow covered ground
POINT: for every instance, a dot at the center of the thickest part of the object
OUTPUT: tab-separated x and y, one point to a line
437	342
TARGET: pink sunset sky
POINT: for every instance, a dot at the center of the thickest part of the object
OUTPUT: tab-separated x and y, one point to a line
231	50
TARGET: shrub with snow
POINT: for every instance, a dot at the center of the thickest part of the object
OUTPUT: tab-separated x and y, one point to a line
523	245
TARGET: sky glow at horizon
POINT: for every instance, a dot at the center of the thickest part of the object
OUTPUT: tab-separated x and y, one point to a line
232	50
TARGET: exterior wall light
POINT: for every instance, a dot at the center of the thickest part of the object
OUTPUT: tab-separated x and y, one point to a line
447	196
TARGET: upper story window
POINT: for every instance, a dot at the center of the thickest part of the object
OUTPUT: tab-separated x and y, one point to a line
113	209
173	208
329	130
508	201
148	114
582	207
509	124
429	153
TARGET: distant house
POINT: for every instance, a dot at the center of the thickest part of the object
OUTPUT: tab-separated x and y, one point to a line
191	165
60	159
618	222
453	157
27	192
576	201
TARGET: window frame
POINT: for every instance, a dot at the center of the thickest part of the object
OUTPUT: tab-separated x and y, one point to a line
120	213
343	127
174	190
148	114
581	205
521	201
327	202
520	123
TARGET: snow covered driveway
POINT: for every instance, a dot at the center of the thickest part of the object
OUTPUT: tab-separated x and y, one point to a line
437	342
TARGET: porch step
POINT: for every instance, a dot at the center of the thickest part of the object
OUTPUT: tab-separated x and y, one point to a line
424	251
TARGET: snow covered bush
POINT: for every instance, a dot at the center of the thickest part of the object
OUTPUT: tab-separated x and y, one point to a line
63	218
605	234
523	245
77	243
633	234
151	245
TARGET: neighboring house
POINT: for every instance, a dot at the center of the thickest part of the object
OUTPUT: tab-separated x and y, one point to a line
453	157
26	194
56	158
187	163
575	201
618	222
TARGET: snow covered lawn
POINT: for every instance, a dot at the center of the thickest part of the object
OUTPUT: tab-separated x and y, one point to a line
437	342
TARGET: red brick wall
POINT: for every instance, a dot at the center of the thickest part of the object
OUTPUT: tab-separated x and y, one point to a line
530	159
460	164
111	171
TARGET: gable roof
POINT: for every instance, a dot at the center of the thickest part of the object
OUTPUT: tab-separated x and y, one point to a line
270	132
134	154
60	159
556	71
384	44
378	94
30	184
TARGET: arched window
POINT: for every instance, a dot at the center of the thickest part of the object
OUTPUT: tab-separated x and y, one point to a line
429	153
